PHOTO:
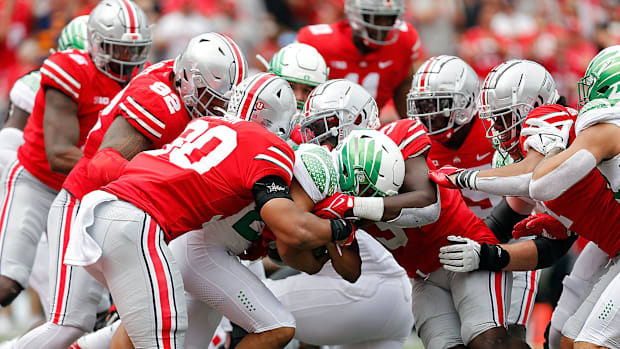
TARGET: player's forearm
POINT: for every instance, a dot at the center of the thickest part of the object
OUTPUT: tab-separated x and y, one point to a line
559	172
393	205
349	264
298	259
63	160
523	255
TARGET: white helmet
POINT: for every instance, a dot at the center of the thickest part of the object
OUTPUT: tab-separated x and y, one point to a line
443	95
371	164
299	63
509	92
267	100
119	38
362	14
210	66
334	109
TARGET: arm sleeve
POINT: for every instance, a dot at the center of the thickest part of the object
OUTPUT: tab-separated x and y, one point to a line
502	220
549	251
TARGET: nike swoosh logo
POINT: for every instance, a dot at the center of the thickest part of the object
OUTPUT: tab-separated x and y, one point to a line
480	157
383	65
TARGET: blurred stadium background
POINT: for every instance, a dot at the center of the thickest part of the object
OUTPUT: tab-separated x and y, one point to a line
563	35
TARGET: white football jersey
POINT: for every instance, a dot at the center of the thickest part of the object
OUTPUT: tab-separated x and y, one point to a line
603	111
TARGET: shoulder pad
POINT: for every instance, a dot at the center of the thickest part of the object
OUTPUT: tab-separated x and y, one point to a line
597	111
315	171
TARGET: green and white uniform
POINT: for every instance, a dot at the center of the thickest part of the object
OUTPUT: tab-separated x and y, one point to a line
601	111
327	307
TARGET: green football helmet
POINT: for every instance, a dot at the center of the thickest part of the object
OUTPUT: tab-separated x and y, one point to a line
602	77
74	34
371	164
299	63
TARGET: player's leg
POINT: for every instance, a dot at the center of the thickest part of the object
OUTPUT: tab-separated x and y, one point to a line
575	323
39	277
482	299
590	262
23	216
219	279
436	318
75	294
140	272
524	290
329	310
602	327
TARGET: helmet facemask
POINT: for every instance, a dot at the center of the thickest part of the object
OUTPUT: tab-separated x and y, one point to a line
439	112
503	127
376	26
119	59
329	126
199	98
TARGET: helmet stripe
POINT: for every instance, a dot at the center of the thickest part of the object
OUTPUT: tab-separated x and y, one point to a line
423	81
238	58
251	93
130	15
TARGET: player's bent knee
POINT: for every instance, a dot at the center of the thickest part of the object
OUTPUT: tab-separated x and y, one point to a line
517	331
496	338
9	290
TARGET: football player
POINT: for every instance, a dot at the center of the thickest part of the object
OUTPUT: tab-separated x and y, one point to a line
476	322
24	91
374	47
302	66
215	168
596	146
150	112
75	86
508	109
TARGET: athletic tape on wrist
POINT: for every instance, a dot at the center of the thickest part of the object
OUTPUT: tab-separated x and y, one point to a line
368	208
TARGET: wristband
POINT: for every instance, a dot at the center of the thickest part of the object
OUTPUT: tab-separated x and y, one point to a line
368	208
466	179
341	229
493	257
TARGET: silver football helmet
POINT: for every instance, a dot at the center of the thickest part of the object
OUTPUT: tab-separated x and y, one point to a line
119	38
334	109
509	92
266	100
299	63
208	68
443	95
363	15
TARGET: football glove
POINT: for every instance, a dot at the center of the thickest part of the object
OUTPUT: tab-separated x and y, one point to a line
464	179
541	225
543	136
461	256
336	206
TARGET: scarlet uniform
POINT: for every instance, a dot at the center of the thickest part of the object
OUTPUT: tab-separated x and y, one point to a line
30	185
206	173
73	73
411	137
380	72
446	314
475	153
152	106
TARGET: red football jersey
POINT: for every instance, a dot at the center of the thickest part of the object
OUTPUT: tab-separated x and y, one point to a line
151	104
420	255
207	173
587	208
380	71
73	73
476	152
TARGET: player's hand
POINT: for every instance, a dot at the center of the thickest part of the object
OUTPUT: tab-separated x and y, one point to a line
336	206
462	256
541	225
445	176
454	178
543	136
256	251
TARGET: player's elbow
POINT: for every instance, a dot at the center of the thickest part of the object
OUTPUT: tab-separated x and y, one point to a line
540	190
